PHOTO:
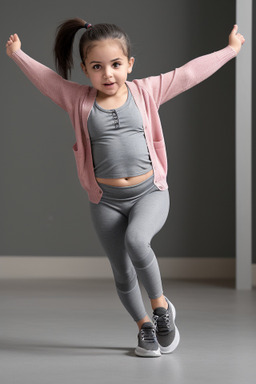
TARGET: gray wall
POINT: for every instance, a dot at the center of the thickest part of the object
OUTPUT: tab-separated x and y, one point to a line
44	211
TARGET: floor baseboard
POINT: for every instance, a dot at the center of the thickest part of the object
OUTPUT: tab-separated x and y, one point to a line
99	267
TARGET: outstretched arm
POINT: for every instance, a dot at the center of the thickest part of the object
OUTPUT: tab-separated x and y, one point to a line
170	84
59	90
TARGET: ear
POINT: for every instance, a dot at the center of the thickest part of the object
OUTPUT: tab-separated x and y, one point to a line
84	69
130	64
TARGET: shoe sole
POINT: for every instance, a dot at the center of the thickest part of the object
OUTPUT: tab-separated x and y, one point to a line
170	348
145	353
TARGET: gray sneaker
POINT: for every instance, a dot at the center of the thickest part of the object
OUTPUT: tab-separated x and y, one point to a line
166	331
147	342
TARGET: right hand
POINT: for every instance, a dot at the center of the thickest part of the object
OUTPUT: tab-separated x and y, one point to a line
13	44
236	40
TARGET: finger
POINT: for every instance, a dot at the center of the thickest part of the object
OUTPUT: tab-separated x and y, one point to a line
235	29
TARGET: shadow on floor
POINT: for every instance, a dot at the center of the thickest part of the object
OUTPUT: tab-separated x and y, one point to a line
42	347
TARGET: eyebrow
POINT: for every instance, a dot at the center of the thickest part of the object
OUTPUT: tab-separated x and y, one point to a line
99	62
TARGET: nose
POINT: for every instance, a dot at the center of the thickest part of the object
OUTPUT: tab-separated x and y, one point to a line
107	73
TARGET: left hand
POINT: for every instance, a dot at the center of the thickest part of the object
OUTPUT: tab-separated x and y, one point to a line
236	40
13	44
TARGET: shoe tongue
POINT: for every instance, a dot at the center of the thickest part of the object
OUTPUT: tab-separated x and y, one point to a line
147	325
160	311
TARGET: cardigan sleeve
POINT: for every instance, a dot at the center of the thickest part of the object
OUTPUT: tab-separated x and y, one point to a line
168	85
60	91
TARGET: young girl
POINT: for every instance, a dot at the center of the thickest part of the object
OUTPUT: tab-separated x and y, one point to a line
120	155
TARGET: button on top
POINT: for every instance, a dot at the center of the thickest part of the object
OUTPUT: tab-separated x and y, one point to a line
115	118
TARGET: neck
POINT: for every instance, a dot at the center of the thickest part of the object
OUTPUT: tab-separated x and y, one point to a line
113	101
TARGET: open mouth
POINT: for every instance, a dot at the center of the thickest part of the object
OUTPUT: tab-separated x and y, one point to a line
108	84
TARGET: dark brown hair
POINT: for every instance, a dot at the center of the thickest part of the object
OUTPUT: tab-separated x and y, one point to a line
65	34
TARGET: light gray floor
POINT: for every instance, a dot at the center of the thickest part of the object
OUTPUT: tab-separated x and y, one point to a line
76	331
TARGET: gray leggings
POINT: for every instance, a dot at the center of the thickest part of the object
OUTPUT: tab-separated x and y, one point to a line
126	219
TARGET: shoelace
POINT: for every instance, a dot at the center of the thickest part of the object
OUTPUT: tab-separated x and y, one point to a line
148	334
162	323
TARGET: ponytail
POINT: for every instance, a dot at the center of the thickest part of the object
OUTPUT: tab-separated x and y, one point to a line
63	47
65	34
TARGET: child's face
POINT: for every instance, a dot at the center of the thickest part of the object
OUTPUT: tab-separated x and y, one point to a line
107	67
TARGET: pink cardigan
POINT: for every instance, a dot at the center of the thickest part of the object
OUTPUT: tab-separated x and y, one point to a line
148	93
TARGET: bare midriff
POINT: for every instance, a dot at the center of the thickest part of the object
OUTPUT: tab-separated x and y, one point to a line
125	181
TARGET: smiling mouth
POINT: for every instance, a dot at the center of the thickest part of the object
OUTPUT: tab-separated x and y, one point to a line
108	84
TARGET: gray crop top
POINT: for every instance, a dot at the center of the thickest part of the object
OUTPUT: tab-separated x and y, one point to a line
118	141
